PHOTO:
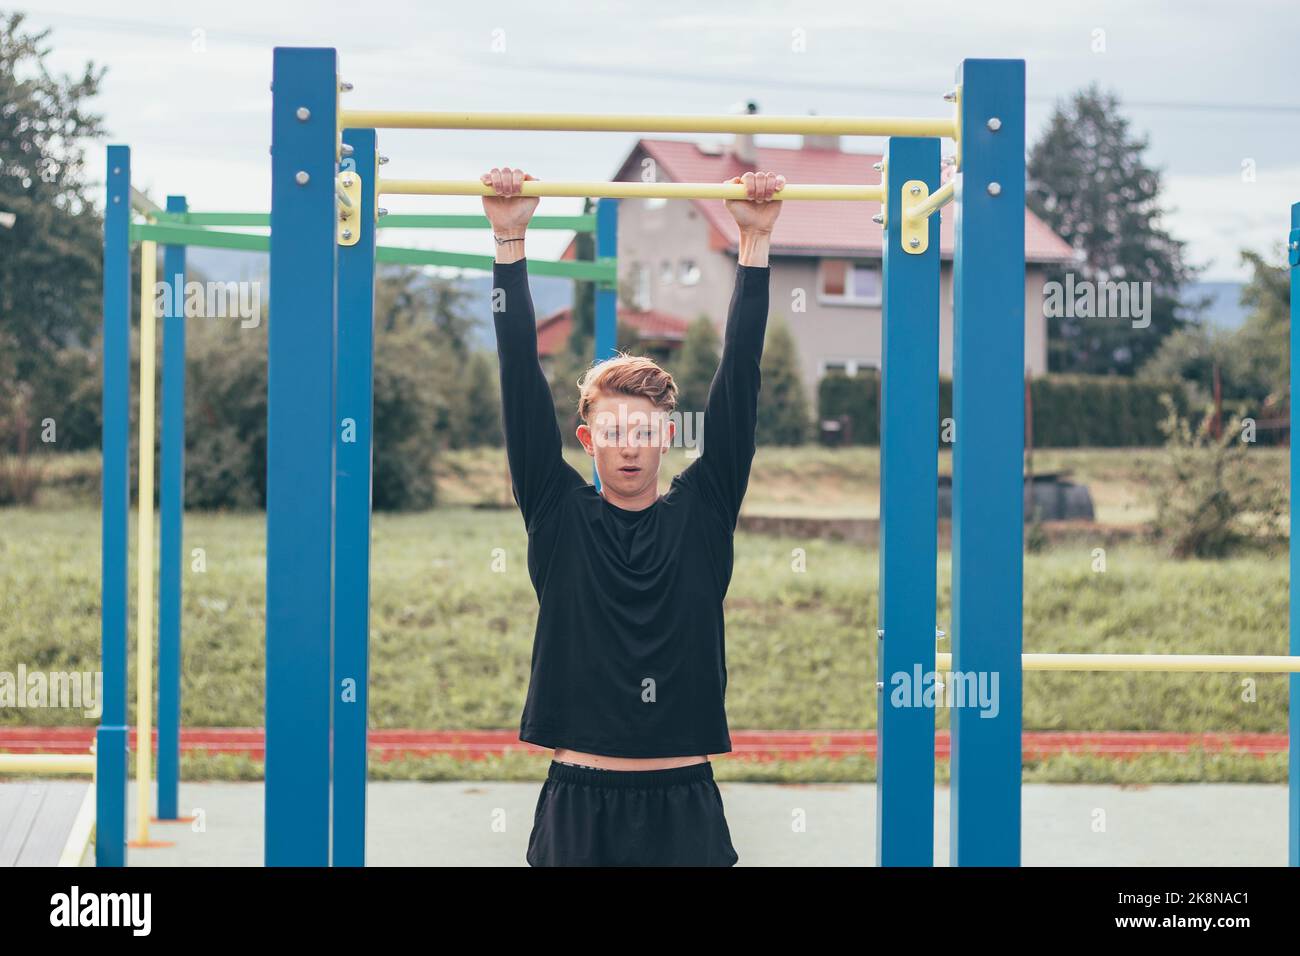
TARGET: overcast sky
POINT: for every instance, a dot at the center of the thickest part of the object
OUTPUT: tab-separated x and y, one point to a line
1212	84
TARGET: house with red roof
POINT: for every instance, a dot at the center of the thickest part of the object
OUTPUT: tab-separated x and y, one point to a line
677	260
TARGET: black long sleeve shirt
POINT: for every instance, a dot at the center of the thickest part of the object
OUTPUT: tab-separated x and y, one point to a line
629	655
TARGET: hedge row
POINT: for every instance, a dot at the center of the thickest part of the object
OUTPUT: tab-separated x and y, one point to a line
1069	411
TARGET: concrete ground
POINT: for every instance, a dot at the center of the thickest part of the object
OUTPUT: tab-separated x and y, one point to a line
487	824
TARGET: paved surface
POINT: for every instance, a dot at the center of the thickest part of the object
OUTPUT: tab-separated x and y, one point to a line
36	818
487	824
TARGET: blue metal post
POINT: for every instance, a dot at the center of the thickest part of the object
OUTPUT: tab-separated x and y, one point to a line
1293	791
606	292
353	494
988	465
111	738
300	456
172	517
909	450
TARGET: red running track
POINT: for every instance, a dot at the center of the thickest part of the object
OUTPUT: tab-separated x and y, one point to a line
747	744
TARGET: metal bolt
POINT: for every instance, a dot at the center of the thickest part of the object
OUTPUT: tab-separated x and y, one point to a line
938	634
347	181
880	685
878	167
345	149
914	242
383	211
117	170
995	189
347	233
950	96
1294	244
302	179
303	113
950	161
383	160
880	632
878	218
916	190
117	199
345	87
994	123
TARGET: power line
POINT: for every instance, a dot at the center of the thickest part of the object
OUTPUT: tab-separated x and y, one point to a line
749	81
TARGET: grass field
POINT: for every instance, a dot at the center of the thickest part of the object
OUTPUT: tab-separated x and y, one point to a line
451	638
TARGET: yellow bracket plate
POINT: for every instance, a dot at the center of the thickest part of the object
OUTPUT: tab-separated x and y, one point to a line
349	188
914	234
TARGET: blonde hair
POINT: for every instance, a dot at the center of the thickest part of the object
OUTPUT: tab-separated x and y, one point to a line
626	374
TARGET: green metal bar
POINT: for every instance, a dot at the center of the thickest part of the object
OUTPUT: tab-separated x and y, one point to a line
396	221
215	218
602	271
191	236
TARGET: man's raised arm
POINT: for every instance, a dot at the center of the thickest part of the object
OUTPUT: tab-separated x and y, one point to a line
721	473
538	472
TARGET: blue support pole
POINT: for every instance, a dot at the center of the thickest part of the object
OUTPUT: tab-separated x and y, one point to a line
909	477
606	293
988	466
172	517
1293	791
111	738
353	498
300	456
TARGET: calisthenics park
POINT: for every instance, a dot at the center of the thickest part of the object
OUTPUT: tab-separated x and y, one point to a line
328	181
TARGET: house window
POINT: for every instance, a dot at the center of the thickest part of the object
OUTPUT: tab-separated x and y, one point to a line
641	286
690	272
845	282
849	367
666	272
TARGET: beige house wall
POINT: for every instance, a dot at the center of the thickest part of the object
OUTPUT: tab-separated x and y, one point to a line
652	233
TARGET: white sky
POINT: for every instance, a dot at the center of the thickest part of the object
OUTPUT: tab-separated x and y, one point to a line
1211	83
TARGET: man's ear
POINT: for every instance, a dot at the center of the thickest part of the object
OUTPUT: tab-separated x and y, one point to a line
584	435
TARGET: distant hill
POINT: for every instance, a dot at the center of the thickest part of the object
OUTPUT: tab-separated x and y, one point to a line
1225	310
549	293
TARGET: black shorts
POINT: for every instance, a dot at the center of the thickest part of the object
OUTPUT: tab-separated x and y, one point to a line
591	817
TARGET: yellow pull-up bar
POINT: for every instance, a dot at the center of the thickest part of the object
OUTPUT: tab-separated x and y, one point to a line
617	190
631	123
1185	663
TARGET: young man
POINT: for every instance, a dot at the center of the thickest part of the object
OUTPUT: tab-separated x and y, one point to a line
629	668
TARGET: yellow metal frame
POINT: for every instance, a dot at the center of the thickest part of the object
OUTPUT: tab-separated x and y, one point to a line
933	202
620	190
632	123
349	191
144	541
914	233
1170	663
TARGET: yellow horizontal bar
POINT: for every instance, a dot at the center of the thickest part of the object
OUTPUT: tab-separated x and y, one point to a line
935	201
47	763
632	123
1193	663
470	187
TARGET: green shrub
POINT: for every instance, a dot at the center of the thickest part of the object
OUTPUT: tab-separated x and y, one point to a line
1209	499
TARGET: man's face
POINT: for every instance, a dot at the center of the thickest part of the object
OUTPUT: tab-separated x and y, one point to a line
628	437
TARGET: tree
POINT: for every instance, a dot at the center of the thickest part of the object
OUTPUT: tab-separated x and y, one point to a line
696	364
1253	361
1266	333
782	402
1089	182
50	260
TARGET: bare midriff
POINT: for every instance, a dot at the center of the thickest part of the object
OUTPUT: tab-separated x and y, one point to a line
626	763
